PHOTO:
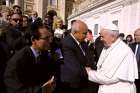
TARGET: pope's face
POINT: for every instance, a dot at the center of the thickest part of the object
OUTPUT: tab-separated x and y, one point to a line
106	37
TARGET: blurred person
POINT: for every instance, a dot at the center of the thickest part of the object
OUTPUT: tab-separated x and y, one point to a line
117	67
98	47
89	38
73	75
4	56
26	29
45	21
136	49
129	39
6	15
17	9
58	31
58	34
121	36
88	46
34	17
14	38
3	23
31	68
52	15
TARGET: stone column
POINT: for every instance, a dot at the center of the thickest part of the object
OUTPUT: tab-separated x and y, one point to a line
0	2
7	3
38	6
17	2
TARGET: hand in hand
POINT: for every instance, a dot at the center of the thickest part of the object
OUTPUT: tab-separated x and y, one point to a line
87	69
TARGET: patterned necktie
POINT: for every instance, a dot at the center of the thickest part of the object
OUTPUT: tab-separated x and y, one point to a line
138	57
138	54
82	49
38	58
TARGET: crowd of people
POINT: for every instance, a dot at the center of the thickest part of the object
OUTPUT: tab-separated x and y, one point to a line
40	55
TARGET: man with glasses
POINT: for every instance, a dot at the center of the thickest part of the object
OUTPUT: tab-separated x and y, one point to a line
31	68
14	37
17	9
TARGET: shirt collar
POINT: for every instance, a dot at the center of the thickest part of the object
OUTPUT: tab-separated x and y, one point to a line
35	52
75	39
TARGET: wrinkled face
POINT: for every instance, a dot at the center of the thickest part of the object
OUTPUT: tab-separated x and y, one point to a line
16	20
106	37
81	35
43	43
137	36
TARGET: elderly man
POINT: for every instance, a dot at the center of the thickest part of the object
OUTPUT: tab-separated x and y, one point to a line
117	67
136	49
73	75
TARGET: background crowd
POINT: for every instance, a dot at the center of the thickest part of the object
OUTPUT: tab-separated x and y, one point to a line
37	51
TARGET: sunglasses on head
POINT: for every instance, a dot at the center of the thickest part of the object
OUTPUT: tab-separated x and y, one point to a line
16	20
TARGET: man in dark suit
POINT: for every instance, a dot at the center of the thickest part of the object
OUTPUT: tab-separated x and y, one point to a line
30	68
14	37
73	75
136	49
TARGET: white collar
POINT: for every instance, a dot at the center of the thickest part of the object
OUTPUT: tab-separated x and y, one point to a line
35	52
75	39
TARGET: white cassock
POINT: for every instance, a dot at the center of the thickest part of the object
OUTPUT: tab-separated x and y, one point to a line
116	70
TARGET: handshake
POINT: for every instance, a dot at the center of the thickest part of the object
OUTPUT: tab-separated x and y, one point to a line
88	69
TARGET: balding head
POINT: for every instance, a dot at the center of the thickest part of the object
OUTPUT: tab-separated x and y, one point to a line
137	35
78	25
79	30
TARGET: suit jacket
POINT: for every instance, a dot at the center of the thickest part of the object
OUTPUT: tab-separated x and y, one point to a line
4	56
133	47
24	75
15	40
90	54
72	70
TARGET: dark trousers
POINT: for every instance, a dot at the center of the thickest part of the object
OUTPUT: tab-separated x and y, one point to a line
137	82
90	87
65	88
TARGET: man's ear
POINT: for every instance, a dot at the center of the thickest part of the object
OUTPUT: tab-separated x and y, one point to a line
32	38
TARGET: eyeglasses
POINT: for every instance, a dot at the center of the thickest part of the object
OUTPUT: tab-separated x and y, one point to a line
84	33
16	20
46	38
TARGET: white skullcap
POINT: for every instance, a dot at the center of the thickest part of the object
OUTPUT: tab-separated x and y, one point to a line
110	26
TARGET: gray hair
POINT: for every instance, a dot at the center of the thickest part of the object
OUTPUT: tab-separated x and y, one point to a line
75	27
114	32
111	28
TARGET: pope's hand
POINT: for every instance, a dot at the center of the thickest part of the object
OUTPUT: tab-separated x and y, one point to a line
88	69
